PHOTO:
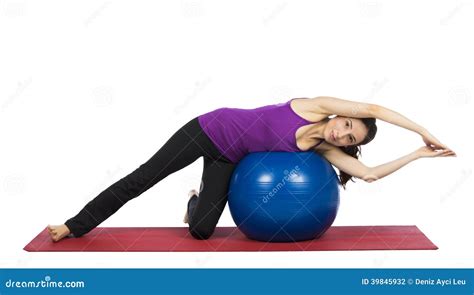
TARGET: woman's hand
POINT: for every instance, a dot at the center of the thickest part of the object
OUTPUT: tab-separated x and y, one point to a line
432	141
430	152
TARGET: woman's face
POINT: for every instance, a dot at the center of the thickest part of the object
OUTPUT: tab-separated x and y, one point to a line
345	131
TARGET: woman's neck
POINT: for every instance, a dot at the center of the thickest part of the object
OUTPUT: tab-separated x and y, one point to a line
316	130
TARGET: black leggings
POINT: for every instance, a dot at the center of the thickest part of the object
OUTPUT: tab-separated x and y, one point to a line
183	148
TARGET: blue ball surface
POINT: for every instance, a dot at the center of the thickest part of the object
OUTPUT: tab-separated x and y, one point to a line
283	196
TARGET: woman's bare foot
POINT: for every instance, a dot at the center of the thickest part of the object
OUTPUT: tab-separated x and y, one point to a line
190	194
57	232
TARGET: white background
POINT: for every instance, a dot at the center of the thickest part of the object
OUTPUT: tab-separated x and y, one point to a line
89	90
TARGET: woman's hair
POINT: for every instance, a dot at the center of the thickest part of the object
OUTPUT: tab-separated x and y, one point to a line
355	150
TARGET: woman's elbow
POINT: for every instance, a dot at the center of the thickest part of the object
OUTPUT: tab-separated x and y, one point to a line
369	176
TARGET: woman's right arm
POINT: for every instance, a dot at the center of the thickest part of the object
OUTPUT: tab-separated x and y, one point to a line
357	169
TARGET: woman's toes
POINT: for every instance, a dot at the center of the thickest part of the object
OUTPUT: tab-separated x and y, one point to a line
192	193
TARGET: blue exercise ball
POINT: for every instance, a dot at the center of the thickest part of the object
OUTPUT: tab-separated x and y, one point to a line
283	196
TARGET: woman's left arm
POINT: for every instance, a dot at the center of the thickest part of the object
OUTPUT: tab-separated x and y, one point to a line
393	117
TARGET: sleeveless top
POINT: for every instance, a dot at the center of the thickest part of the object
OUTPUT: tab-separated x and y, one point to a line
237	132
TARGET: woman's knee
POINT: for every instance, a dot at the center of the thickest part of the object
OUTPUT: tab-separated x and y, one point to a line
201	232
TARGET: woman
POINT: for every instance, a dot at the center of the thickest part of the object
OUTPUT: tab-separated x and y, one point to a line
225	135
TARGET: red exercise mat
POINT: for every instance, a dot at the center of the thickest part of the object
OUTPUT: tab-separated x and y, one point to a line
178	239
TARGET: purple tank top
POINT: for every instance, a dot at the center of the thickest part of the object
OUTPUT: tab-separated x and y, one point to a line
237	132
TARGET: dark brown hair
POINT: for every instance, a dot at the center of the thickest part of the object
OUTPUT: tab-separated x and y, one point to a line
355	150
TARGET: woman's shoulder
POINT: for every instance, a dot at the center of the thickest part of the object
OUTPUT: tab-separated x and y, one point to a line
305	107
